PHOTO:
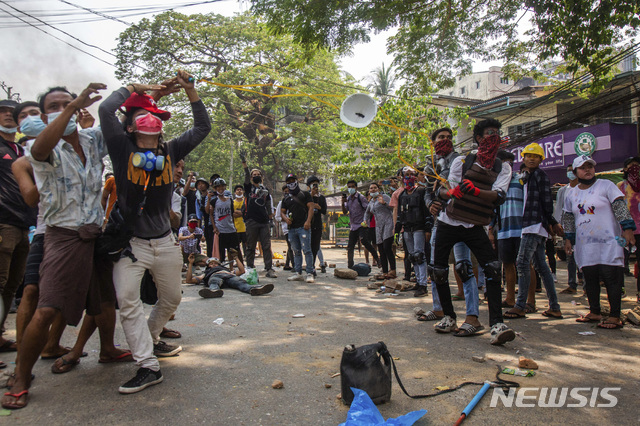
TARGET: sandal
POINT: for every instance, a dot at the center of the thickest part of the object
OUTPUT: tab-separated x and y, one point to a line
514	314
9	346
610	325
170	334
507	305
530	309
63	366
456	297
15	405
429	316
467	329
569	290
123	357
552	314
446	325
588	318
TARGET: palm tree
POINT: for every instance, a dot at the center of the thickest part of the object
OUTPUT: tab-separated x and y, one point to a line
383	81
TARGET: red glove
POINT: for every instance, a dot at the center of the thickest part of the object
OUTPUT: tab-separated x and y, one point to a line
468	187
455	193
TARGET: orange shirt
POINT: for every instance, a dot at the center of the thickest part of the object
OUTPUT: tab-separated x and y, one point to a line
110	187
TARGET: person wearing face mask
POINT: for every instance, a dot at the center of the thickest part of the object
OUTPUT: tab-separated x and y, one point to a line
355	204
572	270
257	216
297	212
319	209
630	187
599	225
238	213
478	184
222	220
15	218
188	237
27	114
142	164
379	206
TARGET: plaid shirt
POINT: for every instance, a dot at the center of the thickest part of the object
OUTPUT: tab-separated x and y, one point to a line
538	206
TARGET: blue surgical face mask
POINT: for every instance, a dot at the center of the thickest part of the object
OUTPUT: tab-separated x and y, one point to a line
351	191
571	175
374	194
8	129
71	125
32	126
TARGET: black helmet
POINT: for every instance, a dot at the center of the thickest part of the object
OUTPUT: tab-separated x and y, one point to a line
312	179
219	182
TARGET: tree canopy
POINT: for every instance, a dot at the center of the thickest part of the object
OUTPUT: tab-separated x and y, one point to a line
278	134
438	40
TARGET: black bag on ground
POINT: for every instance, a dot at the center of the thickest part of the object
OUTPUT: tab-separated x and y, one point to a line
362	269
368	368
148	289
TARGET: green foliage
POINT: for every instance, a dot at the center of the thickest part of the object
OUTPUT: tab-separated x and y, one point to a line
438	40
278	135
371	152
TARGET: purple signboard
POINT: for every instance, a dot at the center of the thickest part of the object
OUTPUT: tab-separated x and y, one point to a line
609	144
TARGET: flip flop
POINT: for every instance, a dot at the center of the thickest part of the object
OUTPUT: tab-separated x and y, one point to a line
506	305
456	297
9	346
84	354
2	365
123	357
587	318
513	315
530	309
170	334
549	314
467	330
615	325
17	396
65	367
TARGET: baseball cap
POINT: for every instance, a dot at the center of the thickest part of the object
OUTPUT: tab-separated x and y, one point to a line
579	161
291	176
312	179
147	103
193	217
8	103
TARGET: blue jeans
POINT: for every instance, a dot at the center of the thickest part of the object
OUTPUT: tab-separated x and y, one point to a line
238	283
470	287
572	271
300	239
414	241
532	248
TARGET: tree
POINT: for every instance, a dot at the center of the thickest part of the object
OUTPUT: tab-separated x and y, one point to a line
438	40
383	82
278	134
371	152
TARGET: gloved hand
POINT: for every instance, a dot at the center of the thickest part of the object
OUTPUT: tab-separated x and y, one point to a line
468	187
242	156
455	192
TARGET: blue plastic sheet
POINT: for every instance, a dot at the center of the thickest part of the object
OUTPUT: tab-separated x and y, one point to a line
363	412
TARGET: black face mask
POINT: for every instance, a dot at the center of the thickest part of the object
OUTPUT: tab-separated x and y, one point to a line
587	182
256	179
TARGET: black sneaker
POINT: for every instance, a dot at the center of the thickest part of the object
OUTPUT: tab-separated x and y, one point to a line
210	294
287	268
263	289
323	268
163	349
143	379
421	291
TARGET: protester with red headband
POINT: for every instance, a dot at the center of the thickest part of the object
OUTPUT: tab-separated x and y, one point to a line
142	165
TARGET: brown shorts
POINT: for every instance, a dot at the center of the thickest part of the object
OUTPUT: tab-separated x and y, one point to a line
66	272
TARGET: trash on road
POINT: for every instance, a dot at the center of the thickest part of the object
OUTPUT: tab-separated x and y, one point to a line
277	384
527	363
363	412
519	372
218	321
587	333
297	316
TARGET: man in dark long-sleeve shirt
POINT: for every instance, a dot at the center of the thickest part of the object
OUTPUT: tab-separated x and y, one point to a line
145	188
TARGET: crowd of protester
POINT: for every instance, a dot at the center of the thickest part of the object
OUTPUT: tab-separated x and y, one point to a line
95	243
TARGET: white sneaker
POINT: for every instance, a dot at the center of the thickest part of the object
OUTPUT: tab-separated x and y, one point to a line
445	325
501	334
296	277
310	278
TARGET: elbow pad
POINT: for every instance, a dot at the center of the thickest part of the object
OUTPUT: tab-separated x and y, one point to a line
502	197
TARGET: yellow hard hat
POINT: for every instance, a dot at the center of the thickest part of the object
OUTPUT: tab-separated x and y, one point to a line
533	148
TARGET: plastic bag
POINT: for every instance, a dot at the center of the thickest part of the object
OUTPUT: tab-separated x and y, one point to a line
250	276
363	412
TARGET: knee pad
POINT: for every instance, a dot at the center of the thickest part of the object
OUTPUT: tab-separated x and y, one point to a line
430	272
418	258
441	275
465	270
493	270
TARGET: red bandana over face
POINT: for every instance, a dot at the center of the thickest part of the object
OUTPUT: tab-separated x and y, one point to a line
487	150
443	147
633	177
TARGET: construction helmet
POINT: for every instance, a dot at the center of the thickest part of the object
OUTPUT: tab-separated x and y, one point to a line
533	148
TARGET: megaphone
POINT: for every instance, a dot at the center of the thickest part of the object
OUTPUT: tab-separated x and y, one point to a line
358	110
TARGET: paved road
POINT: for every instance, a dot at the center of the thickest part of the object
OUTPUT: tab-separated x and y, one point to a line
224	374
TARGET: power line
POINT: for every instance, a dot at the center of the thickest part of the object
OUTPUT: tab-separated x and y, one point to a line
96	12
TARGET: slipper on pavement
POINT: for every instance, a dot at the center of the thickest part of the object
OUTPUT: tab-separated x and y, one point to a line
61	365
9	346
123	357
467	330
15	405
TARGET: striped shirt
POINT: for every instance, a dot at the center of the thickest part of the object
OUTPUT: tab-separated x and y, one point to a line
511	210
